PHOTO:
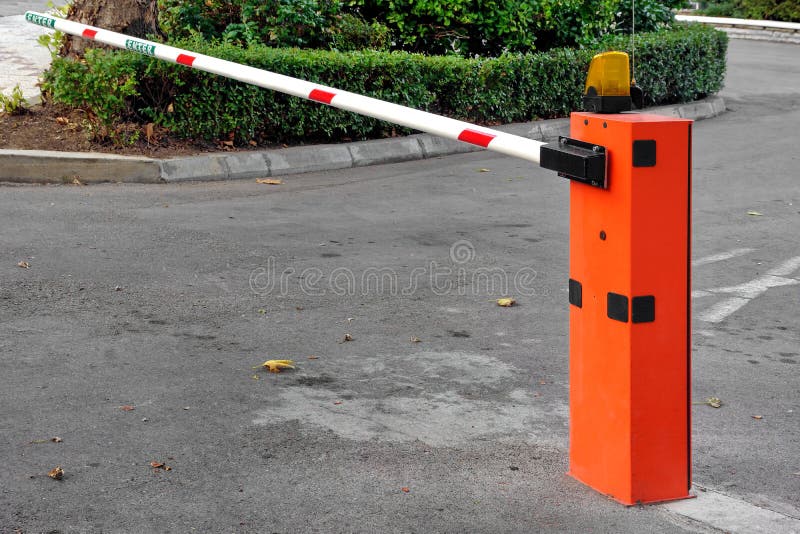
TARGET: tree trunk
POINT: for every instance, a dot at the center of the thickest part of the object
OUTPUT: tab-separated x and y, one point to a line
138	18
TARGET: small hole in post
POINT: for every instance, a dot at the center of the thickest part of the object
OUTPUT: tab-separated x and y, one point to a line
602	235
586	122
605	125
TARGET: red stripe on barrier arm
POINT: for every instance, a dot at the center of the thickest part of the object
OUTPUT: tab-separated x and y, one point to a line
321	96
89	34
476	138
185	59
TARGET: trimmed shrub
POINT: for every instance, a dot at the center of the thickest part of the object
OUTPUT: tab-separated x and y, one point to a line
671	66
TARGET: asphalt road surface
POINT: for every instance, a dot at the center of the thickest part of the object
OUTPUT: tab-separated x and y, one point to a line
133	334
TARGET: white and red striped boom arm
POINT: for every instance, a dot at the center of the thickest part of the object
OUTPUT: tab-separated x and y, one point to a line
512	145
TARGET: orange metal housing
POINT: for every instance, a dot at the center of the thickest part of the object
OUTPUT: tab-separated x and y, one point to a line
629	313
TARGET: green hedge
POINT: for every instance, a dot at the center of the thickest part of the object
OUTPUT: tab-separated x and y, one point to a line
675	65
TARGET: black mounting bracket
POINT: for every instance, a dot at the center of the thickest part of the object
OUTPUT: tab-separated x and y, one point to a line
576	160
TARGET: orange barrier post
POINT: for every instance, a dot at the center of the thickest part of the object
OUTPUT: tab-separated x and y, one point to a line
629	293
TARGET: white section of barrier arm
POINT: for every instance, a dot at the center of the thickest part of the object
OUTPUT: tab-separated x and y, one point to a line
509	144
725	21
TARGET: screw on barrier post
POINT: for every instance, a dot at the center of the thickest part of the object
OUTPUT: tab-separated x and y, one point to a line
630	197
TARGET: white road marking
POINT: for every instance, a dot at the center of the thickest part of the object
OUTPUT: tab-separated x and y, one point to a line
786	268
722	256
729	514
721	310
744	293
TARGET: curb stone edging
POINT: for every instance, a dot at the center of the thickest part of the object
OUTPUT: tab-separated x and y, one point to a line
39	166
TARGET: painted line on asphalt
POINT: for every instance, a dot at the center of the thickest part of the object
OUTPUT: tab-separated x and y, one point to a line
729	514
722	256
744	293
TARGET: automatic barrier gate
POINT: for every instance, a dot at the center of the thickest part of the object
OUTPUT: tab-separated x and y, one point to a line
629	277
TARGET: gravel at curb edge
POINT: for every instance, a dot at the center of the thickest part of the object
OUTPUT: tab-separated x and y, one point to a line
38	166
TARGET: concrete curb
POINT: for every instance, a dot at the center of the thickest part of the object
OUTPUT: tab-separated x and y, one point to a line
36	166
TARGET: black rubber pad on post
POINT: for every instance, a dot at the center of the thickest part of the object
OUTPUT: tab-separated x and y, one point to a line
575	293
617	307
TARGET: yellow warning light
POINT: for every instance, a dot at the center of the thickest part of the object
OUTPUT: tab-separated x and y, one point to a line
608	85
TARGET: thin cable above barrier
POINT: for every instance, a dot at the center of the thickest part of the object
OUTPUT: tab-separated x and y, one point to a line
495	140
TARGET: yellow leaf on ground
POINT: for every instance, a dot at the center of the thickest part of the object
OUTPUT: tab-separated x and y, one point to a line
275	366
160	465
56	473
757	417
269	181
24	265
506	302
714	402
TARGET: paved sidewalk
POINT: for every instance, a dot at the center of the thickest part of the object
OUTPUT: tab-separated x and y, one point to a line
22	59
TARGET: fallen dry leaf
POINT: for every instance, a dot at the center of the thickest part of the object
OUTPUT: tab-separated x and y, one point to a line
24	265
415	339
54	439
313	357
160	465
337	403
714	402
346	338
484	170
269	181
62	120
506	302
405	489
755	213
56	473
148	131
127	408
76	181
757	417
275	366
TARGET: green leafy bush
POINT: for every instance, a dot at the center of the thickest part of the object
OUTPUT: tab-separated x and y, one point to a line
103	84
672	66
352	32
786	10
15	103
649	15
301	23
